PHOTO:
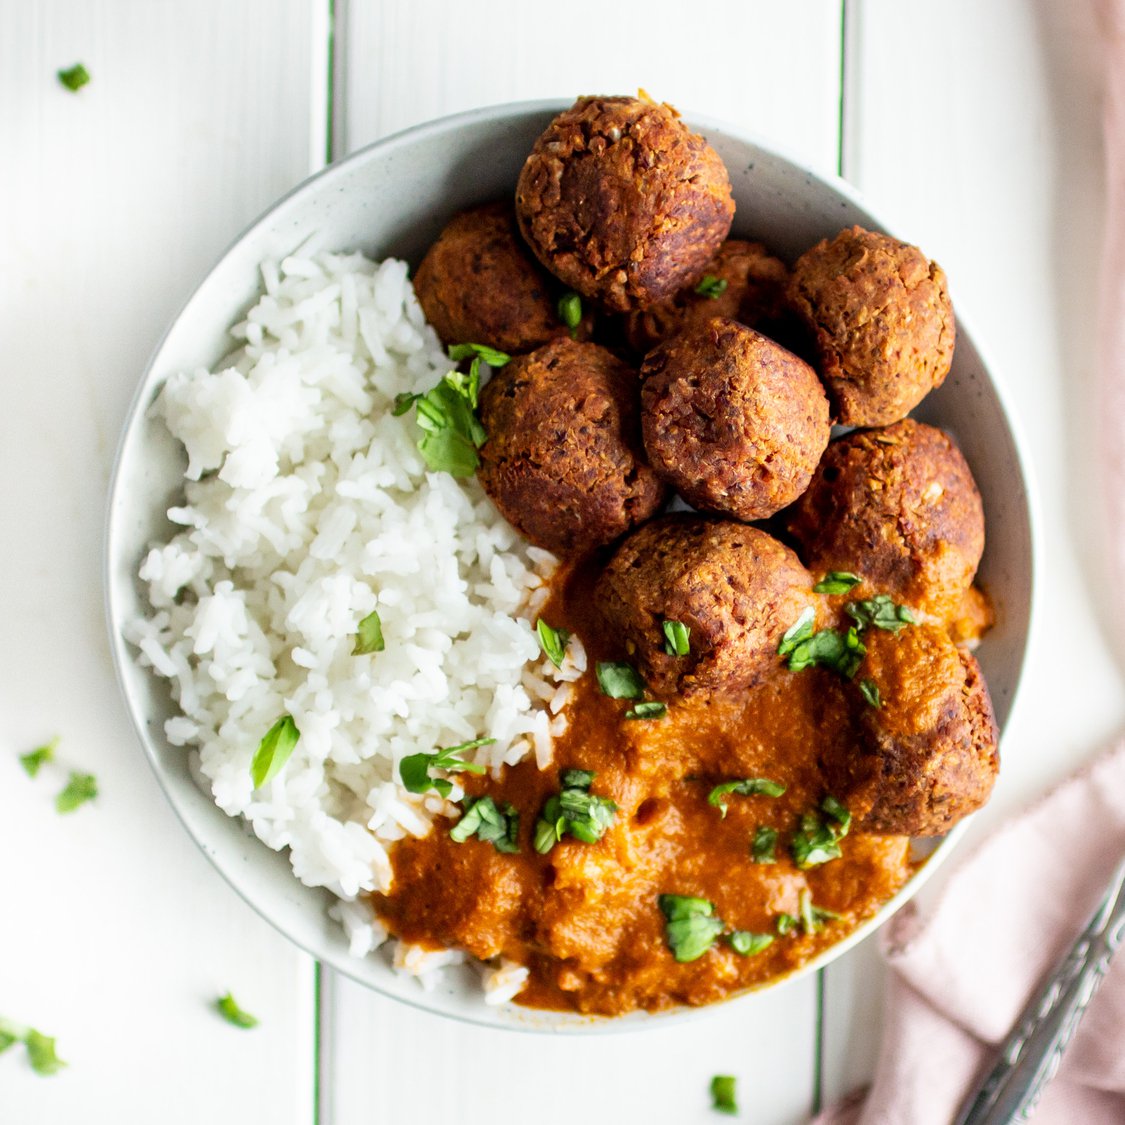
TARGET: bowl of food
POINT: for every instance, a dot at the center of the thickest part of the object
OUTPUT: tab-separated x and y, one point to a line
528	625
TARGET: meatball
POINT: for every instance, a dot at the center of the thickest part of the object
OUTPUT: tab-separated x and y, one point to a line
748	286
734	422
563	459
479	284
623	202
928	755
735	589
882	320
900	508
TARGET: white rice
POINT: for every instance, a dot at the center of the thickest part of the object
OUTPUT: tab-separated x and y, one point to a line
306	506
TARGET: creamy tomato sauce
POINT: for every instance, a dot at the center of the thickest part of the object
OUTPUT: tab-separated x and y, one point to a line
585	917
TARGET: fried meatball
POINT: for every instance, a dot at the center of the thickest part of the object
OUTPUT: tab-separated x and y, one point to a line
623	202
563	459
928	755
900	508
734	422
882	320
735	588
478	284
751	284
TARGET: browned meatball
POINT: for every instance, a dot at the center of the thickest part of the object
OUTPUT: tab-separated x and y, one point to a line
882	320
563	459
735	588
479	284
734	422
900	508
623	202
928	755
748	286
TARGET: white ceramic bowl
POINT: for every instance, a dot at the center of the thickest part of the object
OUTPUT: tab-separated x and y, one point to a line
392	198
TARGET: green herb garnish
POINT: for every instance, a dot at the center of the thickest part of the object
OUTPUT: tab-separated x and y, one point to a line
575	812
676	638
80	788
484	819
837	582
786	924
840	652
816	841
232	1013
570	312
869	689
838	812
814	917
414	769
747	787
747	944
881	612
452	433
40	1048
492	356
274	751
619	680
74	77
711	286
722	1088
763	845
33	759
650	710
690	926
553	642
369	637
801	630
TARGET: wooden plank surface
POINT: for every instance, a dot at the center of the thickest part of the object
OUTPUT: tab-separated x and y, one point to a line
990	158
404	62
117	934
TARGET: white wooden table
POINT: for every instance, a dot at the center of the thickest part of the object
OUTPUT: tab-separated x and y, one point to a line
973	127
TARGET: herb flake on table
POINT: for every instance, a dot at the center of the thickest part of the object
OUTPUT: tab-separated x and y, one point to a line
677	638
723	1099
34	759
80	788
274	751
575	811
711	286
553	642
619	680
41	1054
233	1014
763	844
746	787
495	825
837	582
570	312
690	925
414	769
649	710
880	612
74	77
369	636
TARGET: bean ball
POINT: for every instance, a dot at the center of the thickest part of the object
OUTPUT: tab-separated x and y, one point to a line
622	202
734	422
563	459
898	507
880	313
734	589
928	753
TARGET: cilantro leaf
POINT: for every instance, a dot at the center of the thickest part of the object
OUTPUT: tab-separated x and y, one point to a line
747	787
723	1091
232	1013
369	637
570	312
786	924
881	612
799	631
32	760
650	710
813	917
492	356
553	642
619	680
575	811
80	788
711	286
274	751
869	689
690	926
414	769
676	638
763	844
840	652
40	1048
837	582
817	842
74	77
484	819
748	944
452	433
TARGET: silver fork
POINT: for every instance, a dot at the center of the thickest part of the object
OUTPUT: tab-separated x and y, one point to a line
1031	1054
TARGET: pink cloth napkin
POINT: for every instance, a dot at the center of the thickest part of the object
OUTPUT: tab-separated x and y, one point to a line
961	974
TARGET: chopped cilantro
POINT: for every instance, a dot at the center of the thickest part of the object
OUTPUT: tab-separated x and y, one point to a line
40	1048
492	356
813	917
869	689
452	433
798	632
274	751
676	638
484	819
881	612
786	924
619	680
690	926
232	1013
747	944
651	710
723	1094
369	636
747	787
33	759
763	844
414	769
573	812
74	77
816	841
553	642
711	286
837	582
570	312
80	788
